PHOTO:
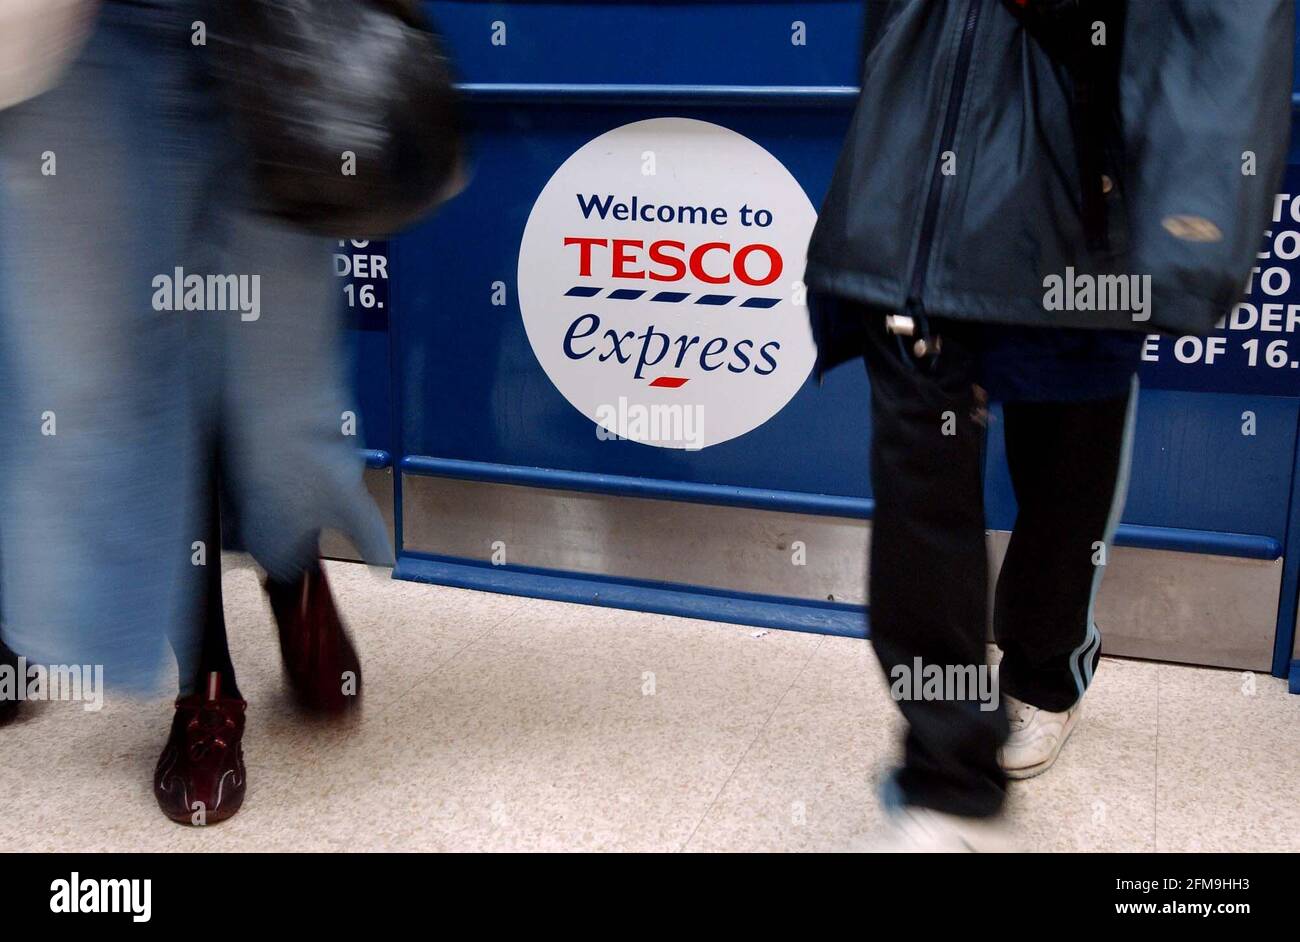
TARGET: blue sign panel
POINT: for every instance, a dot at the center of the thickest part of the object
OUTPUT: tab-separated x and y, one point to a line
574	288
361	268
1256	349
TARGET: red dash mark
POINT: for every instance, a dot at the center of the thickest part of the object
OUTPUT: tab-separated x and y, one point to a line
670	382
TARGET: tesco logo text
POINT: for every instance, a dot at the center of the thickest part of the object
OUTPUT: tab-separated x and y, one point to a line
711	263
655	348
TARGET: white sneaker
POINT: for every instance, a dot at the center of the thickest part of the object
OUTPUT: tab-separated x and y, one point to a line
1036	737
910	830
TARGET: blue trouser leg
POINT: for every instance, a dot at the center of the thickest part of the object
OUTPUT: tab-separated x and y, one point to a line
109	408
97	426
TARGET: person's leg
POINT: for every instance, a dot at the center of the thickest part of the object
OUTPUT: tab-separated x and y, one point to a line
289	431
291	452
200	777
214	647
96	446
8	705
1069	468
929	566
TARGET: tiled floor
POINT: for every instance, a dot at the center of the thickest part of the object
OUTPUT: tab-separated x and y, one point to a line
499	723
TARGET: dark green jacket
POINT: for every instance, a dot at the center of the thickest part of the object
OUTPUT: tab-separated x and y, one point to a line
993	149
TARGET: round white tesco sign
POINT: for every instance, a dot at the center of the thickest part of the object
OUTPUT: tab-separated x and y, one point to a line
661	283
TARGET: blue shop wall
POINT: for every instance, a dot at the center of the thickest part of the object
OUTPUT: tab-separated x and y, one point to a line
446	375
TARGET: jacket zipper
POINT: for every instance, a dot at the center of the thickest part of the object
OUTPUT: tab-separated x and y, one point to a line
955	98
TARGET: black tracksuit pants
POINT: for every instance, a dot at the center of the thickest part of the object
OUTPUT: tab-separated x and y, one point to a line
929	565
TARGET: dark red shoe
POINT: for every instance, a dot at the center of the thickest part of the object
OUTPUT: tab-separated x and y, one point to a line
200	777
9	706
323	667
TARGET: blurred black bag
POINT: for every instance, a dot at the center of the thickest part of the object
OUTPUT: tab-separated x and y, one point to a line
346	107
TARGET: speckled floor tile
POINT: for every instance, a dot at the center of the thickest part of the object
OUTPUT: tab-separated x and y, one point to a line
492	722
809	781
1228	763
